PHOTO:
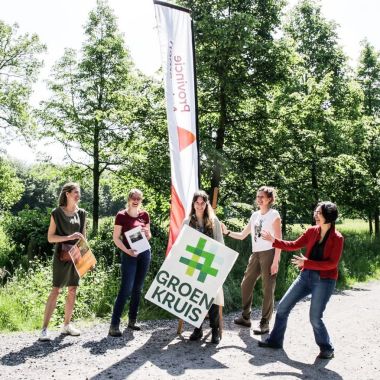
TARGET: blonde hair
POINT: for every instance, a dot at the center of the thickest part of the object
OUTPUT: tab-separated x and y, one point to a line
132	193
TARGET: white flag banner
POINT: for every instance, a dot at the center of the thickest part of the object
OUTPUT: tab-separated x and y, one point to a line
175	34
191	275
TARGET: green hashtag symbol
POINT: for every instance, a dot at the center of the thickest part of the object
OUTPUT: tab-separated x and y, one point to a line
193	263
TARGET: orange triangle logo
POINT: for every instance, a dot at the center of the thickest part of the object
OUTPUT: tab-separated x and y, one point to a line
185	138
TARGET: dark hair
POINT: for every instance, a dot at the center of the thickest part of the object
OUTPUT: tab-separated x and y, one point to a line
270	193
208	214
66	188
329	211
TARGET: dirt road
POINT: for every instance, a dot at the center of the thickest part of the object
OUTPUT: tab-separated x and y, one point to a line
352	317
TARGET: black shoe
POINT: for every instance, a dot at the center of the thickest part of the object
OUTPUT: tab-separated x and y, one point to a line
215	337
242	321
197	334
132	325
268	344
114	331
327	354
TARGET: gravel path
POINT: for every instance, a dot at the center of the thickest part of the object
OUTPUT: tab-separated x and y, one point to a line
352	317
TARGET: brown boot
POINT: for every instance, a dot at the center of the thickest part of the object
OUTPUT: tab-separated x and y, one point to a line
243	321
263	328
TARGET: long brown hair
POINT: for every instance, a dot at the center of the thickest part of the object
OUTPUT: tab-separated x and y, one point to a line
67	187
208	215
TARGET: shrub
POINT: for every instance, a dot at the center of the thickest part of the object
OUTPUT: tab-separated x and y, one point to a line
27	232
102	244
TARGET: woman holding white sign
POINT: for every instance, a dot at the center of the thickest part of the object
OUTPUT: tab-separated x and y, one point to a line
264	260
134	264
203	219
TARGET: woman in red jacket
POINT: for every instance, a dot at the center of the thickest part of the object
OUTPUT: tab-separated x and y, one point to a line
319	272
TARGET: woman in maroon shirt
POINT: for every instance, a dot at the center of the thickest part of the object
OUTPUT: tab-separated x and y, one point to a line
319	272
134	267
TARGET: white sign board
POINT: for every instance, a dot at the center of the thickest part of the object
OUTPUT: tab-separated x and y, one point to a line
191	275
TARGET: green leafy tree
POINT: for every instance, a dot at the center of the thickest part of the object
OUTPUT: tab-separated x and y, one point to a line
43	182
368	76
11	188
94	110
148	166
238	60
312	111
19	66
316	41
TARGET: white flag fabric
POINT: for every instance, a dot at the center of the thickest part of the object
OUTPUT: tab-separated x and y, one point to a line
175	34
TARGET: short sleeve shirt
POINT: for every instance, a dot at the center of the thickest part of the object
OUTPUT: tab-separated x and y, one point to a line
128	222
261	222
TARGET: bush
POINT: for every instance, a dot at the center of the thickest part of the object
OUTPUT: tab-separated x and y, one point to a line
27	232
23	297
361	258
102	245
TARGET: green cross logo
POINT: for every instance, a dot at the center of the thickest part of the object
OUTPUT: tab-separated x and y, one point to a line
193	263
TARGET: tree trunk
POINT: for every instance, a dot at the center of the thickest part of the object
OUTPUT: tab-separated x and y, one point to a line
283	218
96	177
220	133
370	225
376	216
314	185
32	250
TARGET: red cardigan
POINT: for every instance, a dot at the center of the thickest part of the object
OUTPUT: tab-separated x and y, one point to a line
328	267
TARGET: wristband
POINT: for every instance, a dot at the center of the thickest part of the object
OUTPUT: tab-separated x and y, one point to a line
228	233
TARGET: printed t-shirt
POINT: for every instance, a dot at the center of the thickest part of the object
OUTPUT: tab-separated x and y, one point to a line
261	222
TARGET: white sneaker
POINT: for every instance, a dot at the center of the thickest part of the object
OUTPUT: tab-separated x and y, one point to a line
70	330
44	336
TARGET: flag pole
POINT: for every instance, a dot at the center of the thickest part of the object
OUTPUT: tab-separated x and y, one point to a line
180	321
196	101
183	124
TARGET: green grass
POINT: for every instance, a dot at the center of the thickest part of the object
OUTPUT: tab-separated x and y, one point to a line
353	225
23	296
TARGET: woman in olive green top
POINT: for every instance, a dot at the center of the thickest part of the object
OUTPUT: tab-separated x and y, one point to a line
67	225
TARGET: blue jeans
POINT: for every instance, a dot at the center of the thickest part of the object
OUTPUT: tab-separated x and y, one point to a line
308	282
133	272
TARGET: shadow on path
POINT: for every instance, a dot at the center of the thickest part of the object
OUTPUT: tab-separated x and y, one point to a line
346	291
36	350
264	356
109	343
160	349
